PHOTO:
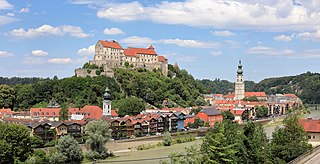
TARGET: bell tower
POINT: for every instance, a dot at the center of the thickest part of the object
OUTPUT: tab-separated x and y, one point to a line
239	85
106	103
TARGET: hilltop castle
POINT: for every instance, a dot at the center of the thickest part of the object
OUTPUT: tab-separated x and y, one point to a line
110	54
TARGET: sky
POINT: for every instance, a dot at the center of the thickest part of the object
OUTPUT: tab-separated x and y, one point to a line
273	38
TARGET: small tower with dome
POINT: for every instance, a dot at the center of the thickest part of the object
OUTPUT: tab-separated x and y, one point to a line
106	103
239	86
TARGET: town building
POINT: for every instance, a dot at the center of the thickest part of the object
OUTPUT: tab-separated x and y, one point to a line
312	127
110	55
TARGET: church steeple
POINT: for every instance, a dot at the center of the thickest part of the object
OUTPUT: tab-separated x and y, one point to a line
106	103
239	85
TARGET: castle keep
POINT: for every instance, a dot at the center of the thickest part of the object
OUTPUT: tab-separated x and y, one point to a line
110	54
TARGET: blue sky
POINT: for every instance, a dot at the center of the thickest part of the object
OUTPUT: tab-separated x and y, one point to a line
206	37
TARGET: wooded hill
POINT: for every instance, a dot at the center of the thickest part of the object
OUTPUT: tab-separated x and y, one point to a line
306	86
178	89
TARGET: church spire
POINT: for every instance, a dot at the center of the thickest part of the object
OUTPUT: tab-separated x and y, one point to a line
240	71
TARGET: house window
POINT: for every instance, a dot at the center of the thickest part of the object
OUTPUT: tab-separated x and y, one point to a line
314	137
53	113
309	136
42	113
47	113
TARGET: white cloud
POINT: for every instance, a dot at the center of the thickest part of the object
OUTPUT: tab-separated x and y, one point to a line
87	51
284	52
5	54
6	20
309	35
283	38
190	43
222	33
34	61
46	30
112	31
145	41
40	53
137	41
270	15
215	53
123	12
10	14
5	5
24	10
60	60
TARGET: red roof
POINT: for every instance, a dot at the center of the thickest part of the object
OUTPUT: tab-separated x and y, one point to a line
256	94
291	95
130	52
91	112
310	125
45	112
162	58
147	51
112	44
114	113
4	112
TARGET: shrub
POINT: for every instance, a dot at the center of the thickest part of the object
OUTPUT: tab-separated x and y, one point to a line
50	143
167	140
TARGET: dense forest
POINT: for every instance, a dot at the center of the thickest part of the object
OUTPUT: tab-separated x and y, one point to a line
306	86
223	86
178	89
19	80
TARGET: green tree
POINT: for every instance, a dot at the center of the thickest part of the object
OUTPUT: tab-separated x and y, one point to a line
289	142
227	115
38	157
129	106
36	142
261	111
254	139
7	96
6	153
191	155
216	148
14	140
63	112
69	148
98	134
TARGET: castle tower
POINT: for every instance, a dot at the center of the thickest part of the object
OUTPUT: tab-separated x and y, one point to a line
239	86
106	103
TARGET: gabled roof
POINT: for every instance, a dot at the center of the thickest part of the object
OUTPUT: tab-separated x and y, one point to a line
162	59
114	113
112	44
310	125
210	111
4	112
147	51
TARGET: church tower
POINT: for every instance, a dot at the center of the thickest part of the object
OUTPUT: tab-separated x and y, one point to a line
239	86
106	103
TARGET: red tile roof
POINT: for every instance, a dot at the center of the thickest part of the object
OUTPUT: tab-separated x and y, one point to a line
147	51
94	112
291	95
162	58
4	112
257	94
130	52
310	125
45	112
114	113
112	44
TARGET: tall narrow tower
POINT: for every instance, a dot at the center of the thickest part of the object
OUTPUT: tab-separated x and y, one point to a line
106	103
239	86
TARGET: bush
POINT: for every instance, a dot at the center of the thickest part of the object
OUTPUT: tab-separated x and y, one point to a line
36	142
146	147
167	140
57	158
50	143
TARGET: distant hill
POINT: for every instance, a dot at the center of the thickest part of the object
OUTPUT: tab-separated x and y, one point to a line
306	86
18	80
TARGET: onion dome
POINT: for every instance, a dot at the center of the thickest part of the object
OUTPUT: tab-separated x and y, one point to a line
107	95
240	71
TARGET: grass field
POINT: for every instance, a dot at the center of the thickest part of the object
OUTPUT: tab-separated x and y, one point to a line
157	152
